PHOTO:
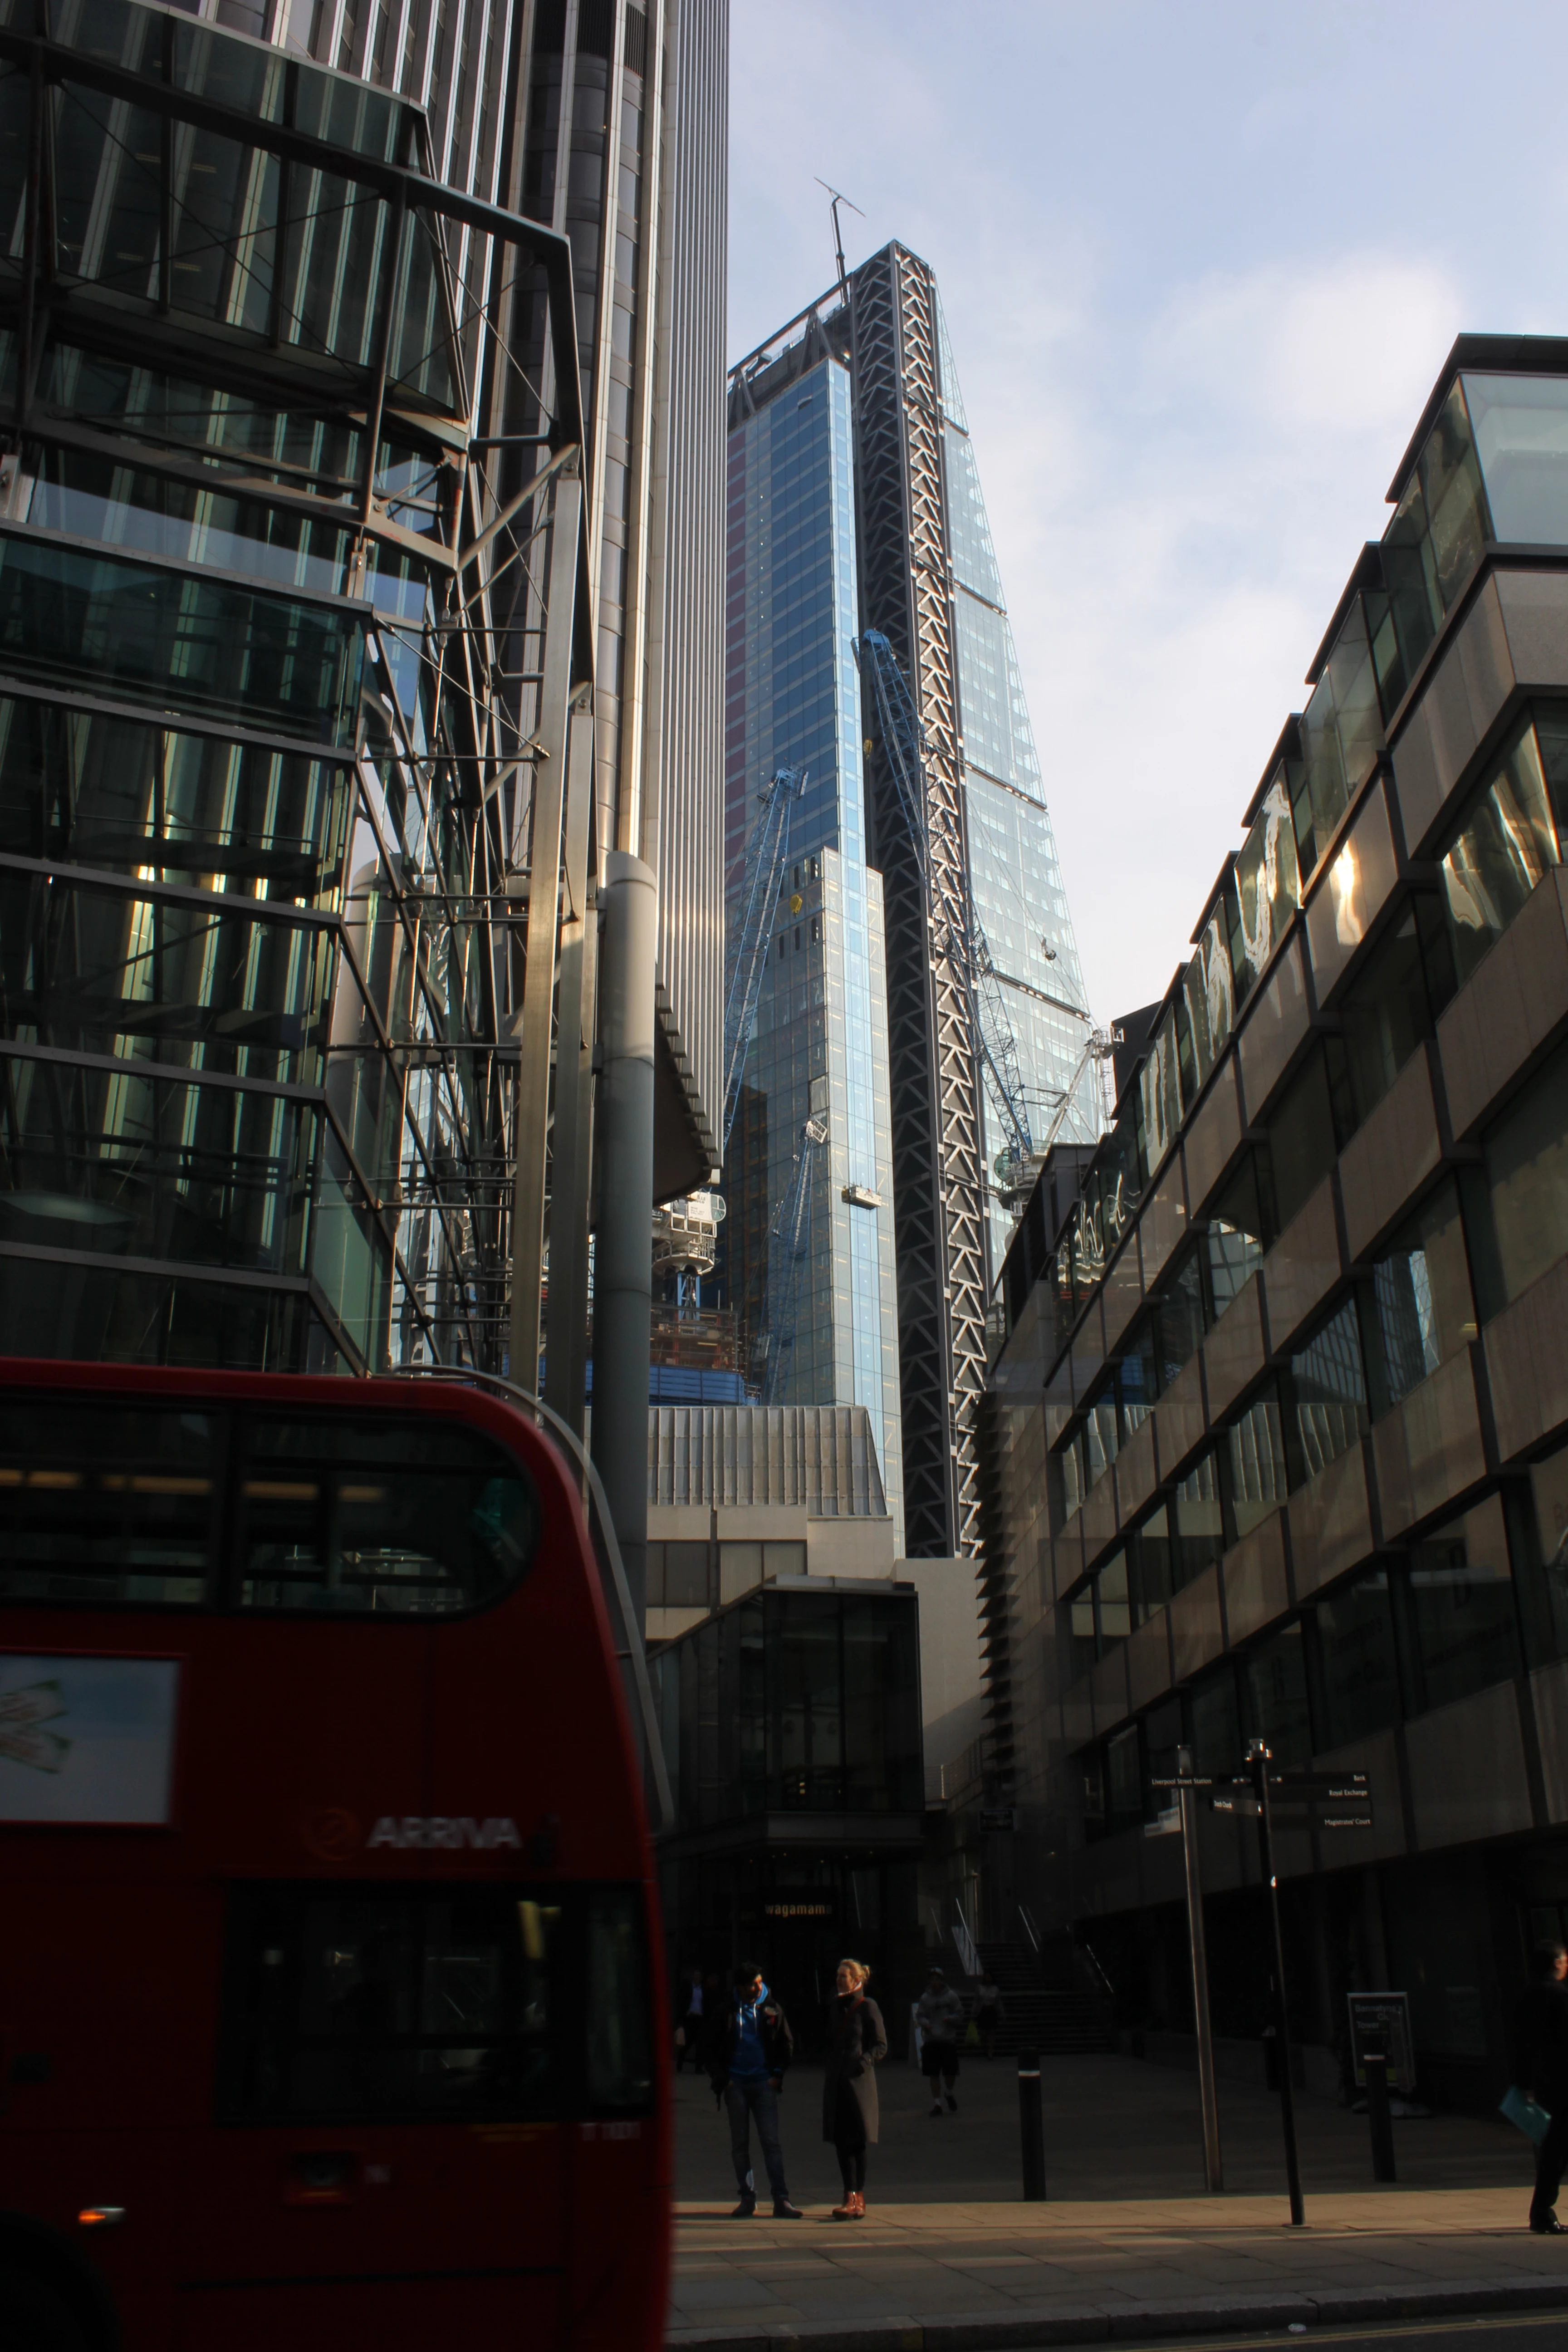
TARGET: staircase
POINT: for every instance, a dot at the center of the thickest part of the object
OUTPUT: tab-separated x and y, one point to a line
1054	2017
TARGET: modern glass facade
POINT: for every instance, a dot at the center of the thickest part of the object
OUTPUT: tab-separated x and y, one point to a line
1014	870
821	1042
254	942
1281	1397
794	1749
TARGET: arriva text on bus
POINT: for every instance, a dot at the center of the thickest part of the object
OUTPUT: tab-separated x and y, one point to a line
450	1830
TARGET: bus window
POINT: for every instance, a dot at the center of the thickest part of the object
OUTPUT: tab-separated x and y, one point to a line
107	1503
620	2060
357	2004
398	1516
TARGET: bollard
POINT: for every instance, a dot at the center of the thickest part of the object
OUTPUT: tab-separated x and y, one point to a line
1031	2130
1377	2112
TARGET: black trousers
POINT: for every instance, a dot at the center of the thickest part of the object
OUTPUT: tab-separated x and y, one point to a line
1550	2160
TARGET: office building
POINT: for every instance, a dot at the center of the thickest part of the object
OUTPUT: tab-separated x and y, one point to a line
855	505
1282	1406
296	708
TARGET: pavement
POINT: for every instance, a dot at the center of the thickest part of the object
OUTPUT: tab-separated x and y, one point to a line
1128	2245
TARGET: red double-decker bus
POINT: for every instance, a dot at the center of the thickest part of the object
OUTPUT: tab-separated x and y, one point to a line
330	1987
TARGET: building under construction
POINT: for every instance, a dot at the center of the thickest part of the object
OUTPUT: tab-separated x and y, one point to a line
923	903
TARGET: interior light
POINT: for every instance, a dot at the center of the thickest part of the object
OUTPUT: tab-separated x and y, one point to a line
100	2217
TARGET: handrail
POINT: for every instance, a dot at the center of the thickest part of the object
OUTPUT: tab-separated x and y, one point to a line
634	1656
1030	1929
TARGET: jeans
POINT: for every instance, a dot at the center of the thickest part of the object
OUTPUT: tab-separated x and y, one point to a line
744	2101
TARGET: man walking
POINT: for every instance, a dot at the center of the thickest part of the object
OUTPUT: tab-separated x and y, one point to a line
1540	2071
749	2048
938	2013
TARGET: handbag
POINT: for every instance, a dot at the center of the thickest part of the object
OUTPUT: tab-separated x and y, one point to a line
1531	2119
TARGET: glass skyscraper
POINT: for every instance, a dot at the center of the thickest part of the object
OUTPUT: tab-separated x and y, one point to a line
1013	869
820	1048
837	523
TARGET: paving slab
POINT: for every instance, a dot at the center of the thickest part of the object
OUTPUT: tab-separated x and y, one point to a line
1127	2246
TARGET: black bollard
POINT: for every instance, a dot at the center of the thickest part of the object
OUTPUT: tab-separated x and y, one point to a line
1031	2130
1378	2114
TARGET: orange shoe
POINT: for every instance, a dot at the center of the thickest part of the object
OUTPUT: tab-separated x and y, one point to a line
846	2212
859	2213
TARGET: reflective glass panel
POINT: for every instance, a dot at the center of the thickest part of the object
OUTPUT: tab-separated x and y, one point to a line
1522	438
107	1504
1257	1455
1422	1285
1508	843
1331	1390
1462	1607
1360	1668
1527	1173
1275	1677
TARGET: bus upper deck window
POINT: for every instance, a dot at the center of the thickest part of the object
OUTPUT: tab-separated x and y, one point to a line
107	1504
393	1516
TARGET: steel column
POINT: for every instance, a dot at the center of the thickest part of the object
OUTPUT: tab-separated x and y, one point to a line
566	1321
530	1136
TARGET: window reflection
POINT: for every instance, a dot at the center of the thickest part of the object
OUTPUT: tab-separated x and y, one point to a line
1523	1221
1430	550
1462	1608
1360	1673
1330	1384
1422	1288
1508	841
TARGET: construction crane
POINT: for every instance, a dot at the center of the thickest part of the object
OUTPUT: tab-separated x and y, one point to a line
1099	1047
767	855
903	739
789	1239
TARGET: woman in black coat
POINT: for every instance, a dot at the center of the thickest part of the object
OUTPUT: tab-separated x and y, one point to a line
857	2038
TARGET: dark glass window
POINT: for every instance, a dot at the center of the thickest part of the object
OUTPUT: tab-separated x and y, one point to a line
1115	1608
1422	1290
1099	1434
1509	840
688	1582
1240	1230
1328	1382
1136	1382
1275	1677
1524	1224
1198	1513
1180	1317
1386	1013
1078	1614
1149	1553
1358	1670
409	1518
1462	1623
1545	1545
185	643
1430	550
107	1504
1123	1780
1215	1724
1302	1142
366	2003
1256	1451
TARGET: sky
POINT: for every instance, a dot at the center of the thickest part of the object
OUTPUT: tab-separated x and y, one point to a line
1201	265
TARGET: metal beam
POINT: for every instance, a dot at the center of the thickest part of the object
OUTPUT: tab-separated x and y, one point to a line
572	1131
531	1114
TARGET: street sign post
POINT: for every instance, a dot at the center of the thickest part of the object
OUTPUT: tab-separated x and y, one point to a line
1314	1800
1259	1755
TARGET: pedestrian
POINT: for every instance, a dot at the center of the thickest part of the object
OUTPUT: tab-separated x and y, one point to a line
856	2043
1540	2072
938	2013
749	2046
689	2024
990	2009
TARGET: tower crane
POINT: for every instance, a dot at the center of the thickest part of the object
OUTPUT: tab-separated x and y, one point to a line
789	1248
903	739
767	855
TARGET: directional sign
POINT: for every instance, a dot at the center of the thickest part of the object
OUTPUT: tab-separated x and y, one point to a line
1343	1803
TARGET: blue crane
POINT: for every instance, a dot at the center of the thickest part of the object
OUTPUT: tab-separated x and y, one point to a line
789	1247
903	739
767	855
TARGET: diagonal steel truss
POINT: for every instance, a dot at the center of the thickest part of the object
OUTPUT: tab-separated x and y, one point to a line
939	1190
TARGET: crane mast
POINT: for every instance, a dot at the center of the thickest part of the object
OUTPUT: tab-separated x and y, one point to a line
789	1247
767	855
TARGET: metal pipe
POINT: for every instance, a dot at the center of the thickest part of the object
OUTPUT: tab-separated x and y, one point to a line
623	1250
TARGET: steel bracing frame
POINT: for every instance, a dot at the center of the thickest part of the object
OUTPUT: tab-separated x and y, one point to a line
506	649
938	1171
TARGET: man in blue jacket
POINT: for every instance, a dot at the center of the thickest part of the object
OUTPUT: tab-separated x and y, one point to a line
748	2051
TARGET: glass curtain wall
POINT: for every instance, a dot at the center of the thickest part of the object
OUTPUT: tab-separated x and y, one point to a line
249	1108
1013	869
820	1046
